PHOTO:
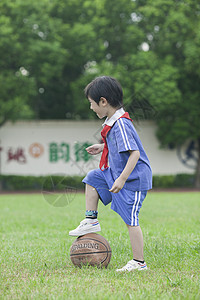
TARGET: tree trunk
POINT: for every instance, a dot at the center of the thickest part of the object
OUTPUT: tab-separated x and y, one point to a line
197	179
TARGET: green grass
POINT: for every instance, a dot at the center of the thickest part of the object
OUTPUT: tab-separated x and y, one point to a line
34	250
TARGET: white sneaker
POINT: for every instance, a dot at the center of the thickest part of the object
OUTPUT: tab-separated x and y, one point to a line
133	265
86	226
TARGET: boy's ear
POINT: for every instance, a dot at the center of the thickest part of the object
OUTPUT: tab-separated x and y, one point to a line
104	101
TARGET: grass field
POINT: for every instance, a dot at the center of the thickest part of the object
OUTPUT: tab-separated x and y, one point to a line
34	250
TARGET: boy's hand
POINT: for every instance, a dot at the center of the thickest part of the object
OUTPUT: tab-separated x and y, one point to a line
95	149
117	185
130	165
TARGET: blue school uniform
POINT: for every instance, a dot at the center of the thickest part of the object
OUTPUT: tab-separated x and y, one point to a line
121	138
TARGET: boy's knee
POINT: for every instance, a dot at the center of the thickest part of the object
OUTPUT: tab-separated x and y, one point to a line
131	226
90	175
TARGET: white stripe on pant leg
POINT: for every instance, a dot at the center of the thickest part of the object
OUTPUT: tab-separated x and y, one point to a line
139	196
133	208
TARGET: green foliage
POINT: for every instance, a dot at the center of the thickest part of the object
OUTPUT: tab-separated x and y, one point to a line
23	183
184	180
60	183
57	47
174	181
163	181
40	183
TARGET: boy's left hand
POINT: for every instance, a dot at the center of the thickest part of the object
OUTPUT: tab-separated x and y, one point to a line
117	185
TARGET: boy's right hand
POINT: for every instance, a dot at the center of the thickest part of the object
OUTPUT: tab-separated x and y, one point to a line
95	149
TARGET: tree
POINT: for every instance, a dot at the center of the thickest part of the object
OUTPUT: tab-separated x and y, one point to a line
44	48
16	87
174	28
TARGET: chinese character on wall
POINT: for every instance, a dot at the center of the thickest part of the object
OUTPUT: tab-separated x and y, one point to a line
59	152
81	153
17	155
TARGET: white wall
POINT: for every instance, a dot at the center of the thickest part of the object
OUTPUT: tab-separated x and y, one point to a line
17	158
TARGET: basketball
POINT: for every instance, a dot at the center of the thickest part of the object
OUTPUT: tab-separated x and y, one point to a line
90	249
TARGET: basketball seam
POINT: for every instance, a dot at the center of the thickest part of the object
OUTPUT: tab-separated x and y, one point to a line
90	253
106	257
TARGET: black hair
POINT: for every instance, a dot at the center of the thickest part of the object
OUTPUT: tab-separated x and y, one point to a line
107	87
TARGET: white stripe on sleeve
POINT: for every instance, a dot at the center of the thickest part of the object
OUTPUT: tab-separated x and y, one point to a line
125	133
123	137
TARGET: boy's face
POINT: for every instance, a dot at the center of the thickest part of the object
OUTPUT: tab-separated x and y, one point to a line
100	109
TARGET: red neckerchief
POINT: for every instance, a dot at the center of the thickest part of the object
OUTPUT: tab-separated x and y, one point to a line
104	132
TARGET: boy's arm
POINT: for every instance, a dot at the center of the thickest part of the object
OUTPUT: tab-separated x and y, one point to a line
130	165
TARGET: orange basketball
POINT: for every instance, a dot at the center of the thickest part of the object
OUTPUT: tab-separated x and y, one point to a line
90	249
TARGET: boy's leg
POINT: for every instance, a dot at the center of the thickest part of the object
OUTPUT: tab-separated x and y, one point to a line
91	197
136	238
95	188
90	223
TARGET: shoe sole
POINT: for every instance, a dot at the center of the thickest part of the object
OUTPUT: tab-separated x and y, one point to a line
144	269
85	232
121	271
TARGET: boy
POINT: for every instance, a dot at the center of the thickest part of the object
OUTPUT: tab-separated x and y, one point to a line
126	180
